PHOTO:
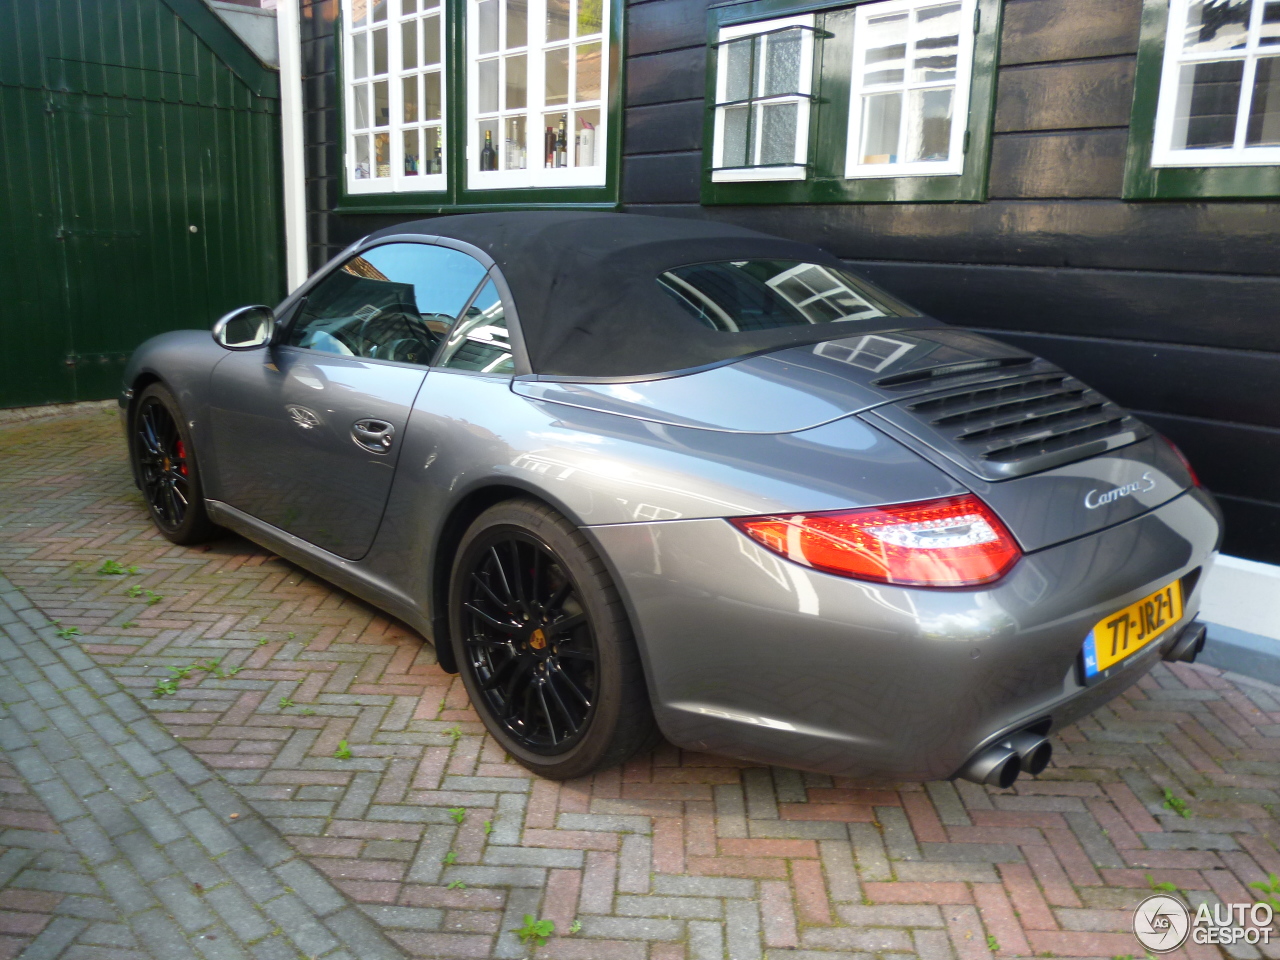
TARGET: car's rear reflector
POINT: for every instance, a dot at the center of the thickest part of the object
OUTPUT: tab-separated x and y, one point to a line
1177	452
952	542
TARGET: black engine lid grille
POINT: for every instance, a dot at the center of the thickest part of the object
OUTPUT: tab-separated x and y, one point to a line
1009	427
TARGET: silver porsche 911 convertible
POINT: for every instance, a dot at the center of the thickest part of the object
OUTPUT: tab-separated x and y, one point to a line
634	475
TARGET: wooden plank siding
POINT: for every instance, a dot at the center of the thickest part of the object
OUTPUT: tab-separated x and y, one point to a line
1166	305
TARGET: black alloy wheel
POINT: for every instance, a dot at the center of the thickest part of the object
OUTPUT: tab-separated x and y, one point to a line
544	645
529	643
165	468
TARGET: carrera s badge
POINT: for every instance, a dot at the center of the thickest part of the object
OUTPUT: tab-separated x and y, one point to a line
1145	484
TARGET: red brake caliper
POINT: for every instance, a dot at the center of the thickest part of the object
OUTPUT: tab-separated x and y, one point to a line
182	453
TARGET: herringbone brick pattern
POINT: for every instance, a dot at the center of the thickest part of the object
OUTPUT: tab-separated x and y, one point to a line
50	903
274	676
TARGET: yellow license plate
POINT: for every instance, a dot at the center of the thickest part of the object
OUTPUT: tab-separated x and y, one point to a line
1129	630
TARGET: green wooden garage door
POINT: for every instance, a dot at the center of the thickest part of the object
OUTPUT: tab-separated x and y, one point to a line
139	186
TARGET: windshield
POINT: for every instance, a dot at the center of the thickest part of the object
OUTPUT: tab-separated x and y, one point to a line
736	296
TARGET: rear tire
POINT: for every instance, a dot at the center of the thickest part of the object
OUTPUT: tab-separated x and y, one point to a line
544	646
165	466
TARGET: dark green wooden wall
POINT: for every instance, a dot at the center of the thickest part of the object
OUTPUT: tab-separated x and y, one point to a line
139	186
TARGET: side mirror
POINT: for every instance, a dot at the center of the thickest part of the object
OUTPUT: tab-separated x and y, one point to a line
246	328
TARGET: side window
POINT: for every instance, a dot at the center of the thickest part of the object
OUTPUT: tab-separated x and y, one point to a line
394	302
480	340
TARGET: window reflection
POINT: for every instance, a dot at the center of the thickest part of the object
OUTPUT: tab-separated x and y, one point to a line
480	340
394	302
744	295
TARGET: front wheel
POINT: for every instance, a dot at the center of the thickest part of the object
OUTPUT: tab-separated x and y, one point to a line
544	646
165	465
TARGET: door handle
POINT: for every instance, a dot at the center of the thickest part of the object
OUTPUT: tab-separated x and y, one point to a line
373	435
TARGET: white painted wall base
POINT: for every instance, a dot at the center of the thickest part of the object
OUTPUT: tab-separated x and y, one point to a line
1243	595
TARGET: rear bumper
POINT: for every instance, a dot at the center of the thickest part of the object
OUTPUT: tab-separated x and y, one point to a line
756	657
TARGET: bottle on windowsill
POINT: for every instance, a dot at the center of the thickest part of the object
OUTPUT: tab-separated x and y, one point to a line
549	148
488	156
562	146
587	145
436	163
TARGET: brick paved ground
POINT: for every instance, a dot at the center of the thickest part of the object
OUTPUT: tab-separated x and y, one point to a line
678	856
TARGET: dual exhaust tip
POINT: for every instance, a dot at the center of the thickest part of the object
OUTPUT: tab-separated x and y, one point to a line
1025	752
1002	763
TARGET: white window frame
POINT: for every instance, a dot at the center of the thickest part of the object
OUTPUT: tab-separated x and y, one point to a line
398	181
536	109
1237	155
954	164
799	170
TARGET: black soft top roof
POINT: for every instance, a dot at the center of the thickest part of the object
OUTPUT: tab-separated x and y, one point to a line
586	287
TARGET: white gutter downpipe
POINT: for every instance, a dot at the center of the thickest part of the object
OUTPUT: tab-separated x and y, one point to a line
295	197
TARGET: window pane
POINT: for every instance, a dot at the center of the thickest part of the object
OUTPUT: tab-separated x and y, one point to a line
737	123
1216	25
517	82
588	121
782	63
929	133
778	132
379	11
409	43
480	341
1264	112
431	97
394	302
588	78
382	149
515	149
487	29
381	105
411	99
412	157
738	54
362	157
1269	35
937	43
557	19
1208	96
430	41
408	6
360	56
360	99
590	17
886	39
557	139
380	51
881	121
557	76
359	12
517	23
487	75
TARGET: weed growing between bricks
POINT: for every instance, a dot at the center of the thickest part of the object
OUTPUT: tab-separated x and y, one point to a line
343	734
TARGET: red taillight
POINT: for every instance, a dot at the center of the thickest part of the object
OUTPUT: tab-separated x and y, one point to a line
1195	479
952	542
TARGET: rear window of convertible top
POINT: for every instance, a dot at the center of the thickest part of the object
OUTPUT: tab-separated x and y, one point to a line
737	296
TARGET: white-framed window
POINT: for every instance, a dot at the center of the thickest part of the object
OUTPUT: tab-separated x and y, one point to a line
1220	86
909	102
394	88
537	86
764	83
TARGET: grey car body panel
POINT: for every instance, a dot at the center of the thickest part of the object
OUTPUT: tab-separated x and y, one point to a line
757	657
468	431
746	652
283	439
